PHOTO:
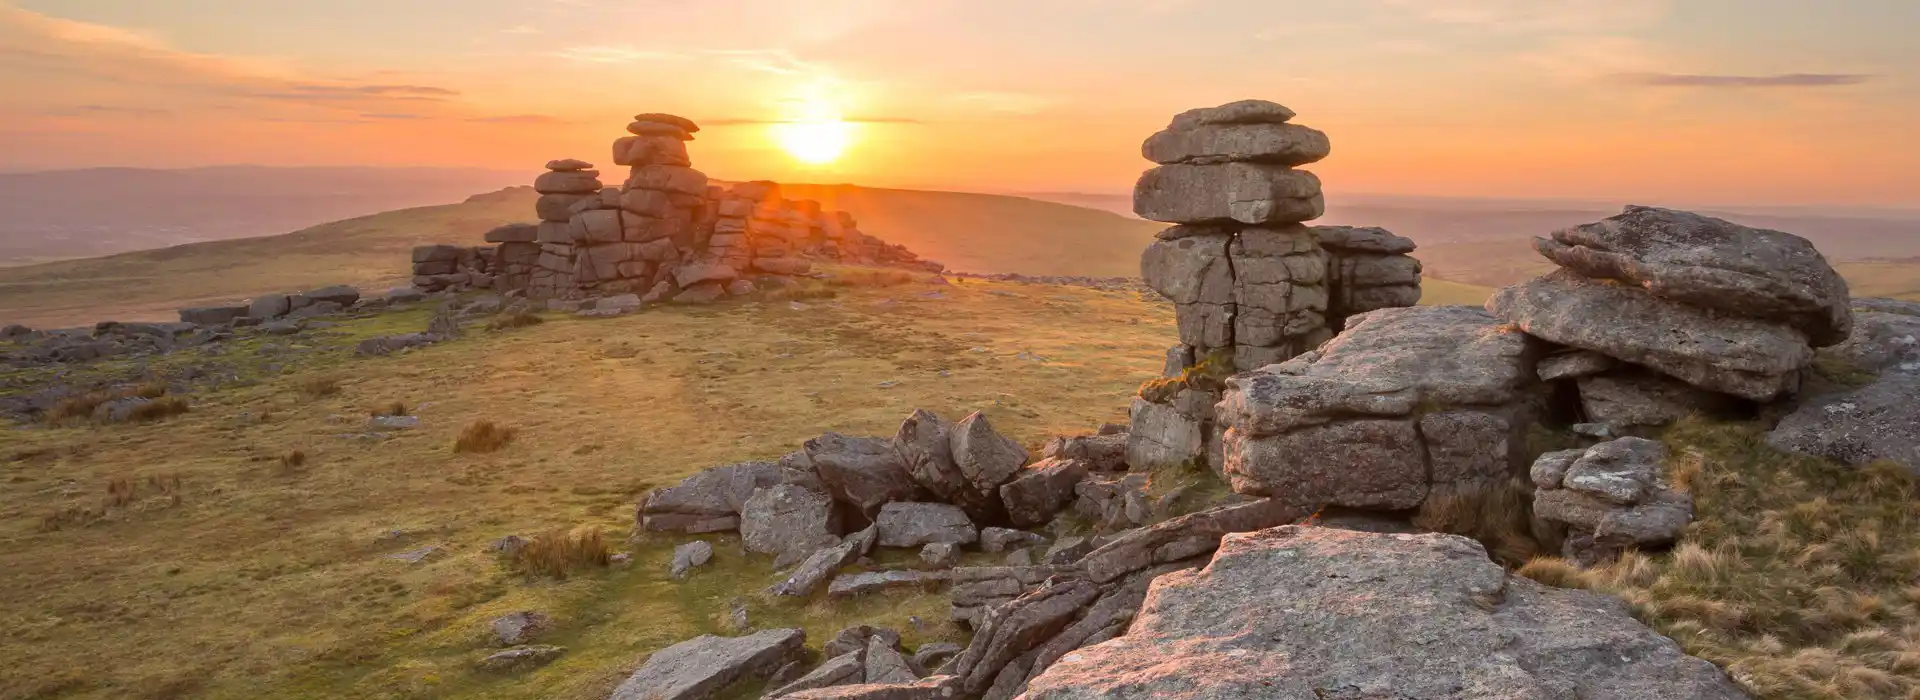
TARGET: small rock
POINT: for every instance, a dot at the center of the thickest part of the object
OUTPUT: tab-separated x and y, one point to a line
737	616
1020	557
995	540
522	657
416	556
394	422
940	555
517	628
689	556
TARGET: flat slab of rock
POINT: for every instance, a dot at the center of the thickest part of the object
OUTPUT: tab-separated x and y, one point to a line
789	522
1183	537
1456	627
876	581
1880	421
1745	357
1630	396
1278	144
823	564
709	501
935	688
845	669
866	473
704	666
1246	193
1614	495
912	525
1713	264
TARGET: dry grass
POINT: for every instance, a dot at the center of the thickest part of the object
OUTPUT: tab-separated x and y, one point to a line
561	553
868	277
483	436
514	319
1800	577
1499	516
319	387
158	409
390	408
293	461
262	585
81	408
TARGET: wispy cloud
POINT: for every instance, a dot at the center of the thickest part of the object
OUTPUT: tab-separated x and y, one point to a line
618	54
523	119
1783	80
749	121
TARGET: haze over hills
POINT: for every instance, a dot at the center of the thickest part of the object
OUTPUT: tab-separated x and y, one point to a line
64	214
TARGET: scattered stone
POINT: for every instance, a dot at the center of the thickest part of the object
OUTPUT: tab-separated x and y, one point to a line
987	458
707	665
885	664
1614	495
709	501
1457	624
862	472
1184	537
1019	557
932	656
1040	491
789	522
521	658
999	539
517	628
911	525
876	581
940	555
824	563
1012	630
416	556
1106	452
690	556
935	688
393	422
1067	551
841	669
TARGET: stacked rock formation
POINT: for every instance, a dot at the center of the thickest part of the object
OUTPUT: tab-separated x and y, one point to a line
1663	312
1252	285
666	232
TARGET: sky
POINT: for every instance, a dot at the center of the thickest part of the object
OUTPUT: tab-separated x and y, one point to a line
1774	102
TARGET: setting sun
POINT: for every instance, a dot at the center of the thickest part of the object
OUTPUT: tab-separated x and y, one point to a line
814	142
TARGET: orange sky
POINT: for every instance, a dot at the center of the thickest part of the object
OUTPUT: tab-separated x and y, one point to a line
1711	101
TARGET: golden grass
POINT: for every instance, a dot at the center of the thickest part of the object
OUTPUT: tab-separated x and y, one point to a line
560	553
1801	577
80	408
1499	516
390	408
483	436
514	319
319	387
260	585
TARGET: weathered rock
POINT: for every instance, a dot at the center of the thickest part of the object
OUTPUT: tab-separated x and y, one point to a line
709	501
1162	435
885	664
1105	619
1574	364
844	669
1629	397
517	628
1882	341
1038	492
1745	357
703	293
568	182
1067	551
1112	501
1001	539
214	315
932	656
823	564
911	525
987	458
683	123
876	581
935	688
269	306
1458	626
1858	427
1247	193
1239	112
789	522
1012	630
1102	453
1712	264
940	555
1362	239
924	443
525	657
1278	144
690	556
862	472
1184	537
704	666
1615	494
1195	272
1405	399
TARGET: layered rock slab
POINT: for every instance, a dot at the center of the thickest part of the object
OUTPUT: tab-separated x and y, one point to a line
1297	613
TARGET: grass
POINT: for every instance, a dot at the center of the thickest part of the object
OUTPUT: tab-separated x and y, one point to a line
1800	577
81	408
259	584
483	436
560	553
390	408
319	387
510	320
1499	516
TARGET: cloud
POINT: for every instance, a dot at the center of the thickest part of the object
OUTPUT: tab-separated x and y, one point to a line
1783	80
749	121
618	54
107	110
526	119
1582	16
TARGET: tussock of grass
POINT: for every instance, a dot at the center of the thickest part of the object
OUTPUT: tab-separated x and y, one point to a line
293	461
158	409
559	553
1499	516
1210	372
80	408
395	408
319	387
483	436
514	319
1800	577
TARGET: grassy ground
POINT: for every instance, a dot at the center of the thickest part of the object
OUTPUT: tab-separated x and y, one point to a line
1801	577
233	569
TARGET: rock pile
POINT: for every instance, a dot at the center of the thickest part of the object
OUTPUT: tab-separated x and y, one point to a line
1670	300
1252	285
1875	418
665	233
1613	496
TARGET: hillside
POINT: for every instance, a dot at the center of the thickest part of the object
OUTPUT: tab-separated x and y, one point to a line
968	232
64	214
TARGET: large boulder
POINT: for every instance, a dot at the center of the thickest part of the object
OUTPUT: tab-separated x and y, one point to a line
1228	193
705	666
1629	396
1279	144
913	525
1041	490
1864	424
1183	537
1746	357
339	294
862	472
710	501
788	522
985	457
1406	399
1712	264
214	315
823	564
1013	629
924	443
1304	613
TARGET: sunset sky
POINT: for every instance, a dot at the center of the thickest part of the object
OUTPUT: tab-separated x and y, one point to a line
1704	101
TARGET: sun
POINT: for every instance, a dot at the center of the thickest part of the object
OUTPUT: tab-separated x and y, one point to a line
817	142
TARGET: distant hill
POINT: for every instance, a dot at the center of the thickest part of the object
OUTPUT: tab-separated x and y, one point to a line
968	232
83	213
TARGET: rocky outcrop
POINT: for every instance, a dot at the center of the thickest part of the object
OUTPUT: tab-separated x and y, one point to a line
913	525
1405	400
789	522
866	473
1275	615
705	666
823	563
1612	496
1184	537
1859	425
709	501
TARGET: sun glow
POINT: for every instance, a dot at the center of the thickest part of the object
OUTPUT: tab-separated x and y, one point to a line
815	142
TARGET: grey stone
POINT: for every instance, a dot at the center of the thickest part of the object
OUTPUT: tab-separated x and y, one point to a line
1067	551
935	688
1860	426
789	522
214	315
517	628
690	274
1613	495
707	665
1278	144
1363	239
690	556
1102	453
875	581
1712	264
269	306
1019	557
933	655
703	293
1018	627
1104	499
1745	357
1238	112
987	458
668	178
568	164
885	664
1458	626
569	182
823	564
1574	364
710	498
1039	491
1246	193
862	472
1881	341
1184	537
924	443
518	658
912	525
1001	539
1629	397
940	555
844	669
1161	435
